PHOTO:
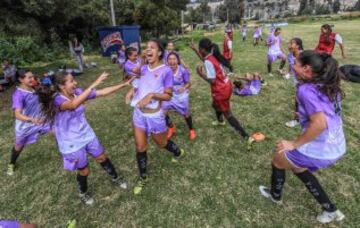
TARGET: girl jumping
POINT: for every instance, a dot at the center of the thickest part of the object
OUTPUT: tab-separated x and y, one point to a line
322	141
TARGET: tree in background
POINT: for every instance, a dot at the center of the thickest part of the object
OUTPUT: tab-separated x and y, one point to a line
233	8
205	10
336	6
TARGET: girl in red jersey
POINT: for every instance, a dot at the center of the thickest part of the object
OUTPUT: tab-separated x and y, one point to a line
221	86
327	41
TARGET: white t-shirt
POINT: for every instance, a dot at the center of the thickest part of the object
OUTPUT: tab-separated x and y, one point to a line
338	39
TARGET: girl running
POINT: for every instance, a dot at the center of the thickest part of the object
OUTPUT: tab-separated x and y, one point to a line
256	36
322	141
327	41
221	87
65	110
29	118
155	86
295	48
275	51
180	99
227	47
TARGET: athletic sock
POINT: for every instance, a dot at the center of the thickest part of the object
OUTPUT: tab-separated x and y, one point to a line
141	158
14	155
189	122
173	148
109	168
168	121
277	182
314	187
282	64
269	68
82	181
235	124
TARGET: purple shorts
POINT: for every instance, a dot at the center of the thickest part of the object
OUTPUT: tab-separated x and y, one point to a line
312	164
151	123
9	224
273	57
180	105
79	159
30	135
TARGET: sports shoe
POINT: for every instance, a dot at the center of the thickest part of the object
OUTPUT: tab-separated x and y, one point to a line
176	159
287	76
86	198
271	75
264	191
326	217
121	182
192	134
292	123
10	170
250	141
217	123
171	131
140	184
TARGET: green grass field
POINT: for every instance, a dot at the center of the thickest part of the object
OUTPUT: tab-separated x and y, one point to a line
216	185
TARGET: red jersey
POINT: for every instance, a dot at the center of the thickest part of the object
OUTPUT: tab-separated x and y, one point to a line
326	45
221	89
227	49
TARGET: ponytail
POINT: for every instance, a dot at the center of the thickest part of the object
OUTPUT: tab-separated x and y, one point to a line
327	73
216	53
47	95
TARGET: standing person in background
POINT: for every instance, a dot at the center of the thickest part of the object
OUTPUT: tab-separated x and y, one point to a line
327	41
244	30
227	47
77	49
256	36
9	71
260	32
121	56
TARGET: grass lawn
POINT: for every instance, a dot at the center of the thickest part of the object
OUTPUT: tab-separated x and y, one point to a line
216	185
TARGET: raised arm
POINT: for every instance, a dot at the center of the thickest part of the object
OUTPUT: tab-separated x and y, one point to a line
193	47
112	89
77	101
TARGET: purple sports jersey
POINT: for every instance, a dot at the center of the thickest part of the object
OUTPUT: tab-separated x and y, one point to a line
153	81
129	66
27	132
274	51
330	144
251	88
180	101
256	33
122	58
9	224
291	59
72	130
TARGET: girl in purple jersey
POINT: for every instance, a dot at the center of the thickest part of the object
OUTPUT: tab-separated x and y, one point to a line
180	100
251	87
322	141
275	51
29	118
295	48
155	85
64	109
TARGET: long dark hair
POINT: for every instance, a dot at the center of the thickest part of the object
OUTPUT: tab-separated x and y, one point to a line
327	74
129	51
213	48
328	28
176	55
47	95
299	42
20	74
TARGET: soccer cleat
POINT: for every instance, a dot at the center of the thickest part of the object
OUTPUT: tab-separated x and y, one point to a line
192	134
250	141
326	217
121	182
292	123
176	159
86	198
287	76
140	184
171	131
217	123
271	75
264	191
10	170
